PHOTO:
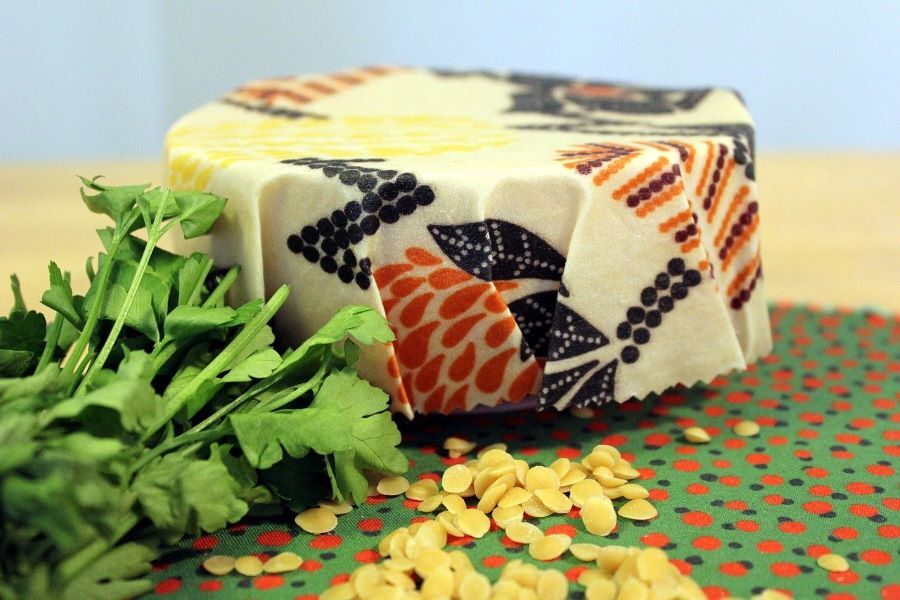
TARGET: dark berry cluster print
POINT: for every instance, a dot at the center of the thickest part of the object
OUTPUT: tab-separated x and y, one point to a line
386	195
668	288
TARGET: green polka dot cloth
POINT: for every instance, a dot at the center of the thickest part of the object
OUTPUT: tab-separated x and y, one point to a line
737	514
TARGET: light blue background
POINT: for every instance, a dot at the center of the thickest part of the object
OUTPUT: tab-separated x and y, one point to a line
106	79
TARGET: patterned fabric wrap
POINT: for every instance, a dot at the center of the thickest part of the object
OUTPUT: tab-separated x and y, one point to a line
578	241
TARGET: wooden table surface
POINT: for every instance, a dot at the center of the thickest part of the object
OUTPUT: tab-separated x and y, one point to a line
830	229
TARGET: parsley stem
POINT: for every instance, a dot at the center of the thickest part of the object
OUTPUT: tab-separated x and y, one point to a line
50	343
101	282
154	233
221	361
218	294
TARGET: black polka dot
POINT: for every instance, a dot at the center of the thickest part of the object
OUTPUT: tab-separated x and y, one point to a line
630	354
345	273
665	304
367	183
365	265
339	218
325	227
675	266
388	191
371	202
362	281
369	225
354	232
311	254
329	247
349	176
349	258
341	237
406	205
641	335
406	182
679	291
635	315
662	281
295	244
648	296
389	214
424	195
653	318
309	234
692	277
352	210
387	173
623	331
329	265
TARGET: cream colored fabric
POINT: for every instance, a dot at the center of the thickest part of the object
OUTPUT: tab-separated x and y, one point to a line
581	241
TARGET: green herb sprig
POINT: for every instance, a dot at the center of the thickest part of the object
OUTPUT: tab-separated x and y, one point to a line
149	409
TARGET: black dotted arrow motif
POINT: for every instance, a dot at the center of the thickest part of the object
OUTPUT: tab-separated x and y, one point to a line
668	288
386	195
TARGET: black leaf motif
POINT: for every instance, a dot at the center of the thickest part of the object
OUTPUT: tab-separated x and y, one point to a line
534	316
572	335
599	388
556	385
498	250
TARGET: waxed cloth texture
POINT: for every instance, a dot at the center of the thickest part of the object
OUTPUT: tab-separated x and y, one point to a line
738	514
526	236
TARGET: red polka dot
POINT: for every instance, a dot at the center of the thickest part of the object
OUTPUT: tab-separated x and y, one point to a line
889	531
880	470
657	439
845	533
820	490
493	561
858	487
371	524
168	586
865	511
563	529
205	542
769	546
785	569
707	542
570	453
274	538
845	578
376	499
817	473
697	489
575	572
891	503
730	480
340	578
876	557
697	519
210	585
268	582
817	507
310	566
792	527
891	592
747	525
735	443
683	566
736	505
758	459
658	495
325	541
659	540
733	569
367	556
774	499
772	479
817	550
528	451
715	593
686	465
508	543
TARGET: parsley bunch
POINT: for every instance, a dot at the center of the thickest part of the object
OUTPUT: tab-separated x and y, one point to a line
149	409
